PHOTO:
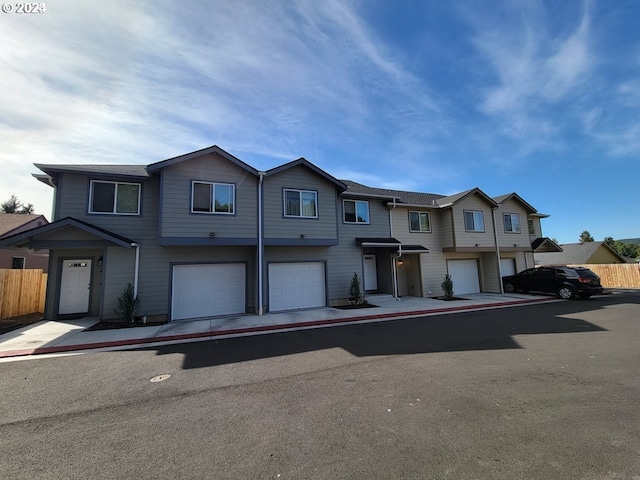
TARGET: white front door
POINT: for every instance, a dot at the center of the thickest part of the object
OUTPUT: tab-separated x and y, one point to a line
370	273
75	286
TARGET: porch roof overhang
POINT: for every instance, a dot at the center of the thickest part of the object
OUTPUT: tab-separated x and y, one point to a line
34	238
391	243
545	244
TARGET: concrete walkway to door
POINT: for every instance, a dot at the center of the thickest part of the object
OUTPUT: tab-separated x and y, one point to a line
55	337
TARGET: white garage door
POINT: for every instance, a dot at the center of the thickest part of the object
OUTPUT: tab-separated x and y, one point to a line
296	285
507	266
464	274
207	290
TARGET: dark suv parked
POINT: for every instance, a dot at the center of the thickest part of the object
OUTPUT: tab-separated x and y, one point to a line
566	282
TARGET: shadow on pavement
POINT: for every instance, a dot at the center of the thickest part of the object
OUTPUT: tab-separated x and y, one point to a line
478	330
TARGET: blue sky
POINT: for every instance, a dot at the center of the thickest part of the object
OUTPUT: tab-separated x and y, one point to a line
541	98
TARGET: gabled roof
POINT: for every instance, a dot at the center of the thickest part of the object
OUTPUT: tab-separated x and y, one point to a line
574	254
545	244
517	198
306	163
199	153
13	221
453	199
401	196
24	238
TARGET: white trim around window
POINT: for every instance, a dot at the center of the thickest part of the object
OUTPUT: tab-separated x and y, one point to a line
355	211
114	198
419	221
213	198
299	203
511	222
474	221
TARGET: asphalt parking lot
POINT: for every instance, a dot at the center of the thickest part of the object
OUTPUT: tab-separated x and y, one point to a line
547	391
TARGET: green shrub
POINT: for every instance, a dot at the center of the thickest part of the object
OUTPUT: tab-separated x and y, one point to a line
447	286
127	304
355	294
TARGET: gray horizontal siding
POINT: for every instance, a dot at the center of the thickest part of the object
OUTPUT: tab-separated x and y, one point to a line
277	226
177	219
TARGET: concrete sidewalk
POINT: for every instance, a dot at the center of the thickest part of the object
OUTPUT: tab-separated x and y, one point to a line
49	337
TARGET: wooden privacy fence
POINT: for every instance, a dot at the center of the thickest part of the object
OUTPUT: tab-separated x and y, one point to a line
22	292
620	275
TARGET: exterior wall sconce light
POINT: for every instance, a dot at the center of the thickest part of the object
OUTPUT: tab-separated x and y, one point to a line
400	262
302	235
212	234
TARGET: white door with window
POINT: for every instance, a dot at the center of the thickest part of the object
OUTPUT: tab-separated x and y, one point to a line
207	290
464	274
296	285
75	286
370	273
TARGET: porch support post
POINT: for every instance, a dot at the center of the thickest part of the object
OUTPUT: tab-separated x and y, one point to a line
136	269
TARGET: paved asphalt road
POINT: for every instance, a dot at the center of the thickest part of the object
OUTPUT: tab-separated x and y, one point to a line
549	391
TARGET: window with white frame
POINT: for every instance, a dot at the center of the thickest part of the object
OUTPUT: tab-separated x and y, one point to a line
120	198
356	211
511	222
419	221
473	221
210	197
532	229
300	203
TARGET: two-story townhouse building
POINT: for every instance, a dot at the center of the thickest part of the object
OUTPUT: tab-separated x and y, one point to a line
205	234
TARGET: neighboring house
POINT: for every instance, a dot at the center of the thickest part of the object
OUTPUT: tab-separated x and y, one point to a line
16	258
580	254
205	234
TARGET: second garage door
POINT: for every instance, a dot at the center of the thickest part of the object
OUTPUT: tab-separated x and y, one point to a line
207	290
464	274
296	285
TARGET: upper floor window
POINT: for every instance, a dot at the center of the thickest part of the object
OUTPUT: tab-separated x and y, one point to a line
208	197
532	229
419	222
511	222
356	211
300	203
17	263
473	221
114	197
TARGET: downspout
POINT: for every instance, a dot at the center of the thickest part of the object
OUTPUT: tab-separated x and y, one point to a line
136	269
260	244
394	266
495	236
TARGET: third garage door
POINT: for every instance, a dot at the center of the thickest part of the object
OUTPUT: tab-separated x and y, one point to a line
464	274
296	285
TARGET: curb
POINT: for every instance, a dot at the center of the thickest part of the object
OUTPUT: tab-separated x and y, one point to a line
260	329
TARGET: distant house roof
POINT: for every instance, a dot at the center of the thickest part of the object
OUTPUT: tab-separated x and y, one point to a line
10	223
579	254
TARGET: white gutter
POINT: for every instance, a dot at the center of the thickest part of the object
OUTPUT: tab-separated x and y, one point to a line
260	244
495	236
136	269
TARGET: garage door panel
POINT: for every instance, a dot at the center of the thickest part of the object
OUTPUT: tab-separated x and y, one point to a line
207	290
507	266
464	274
296	285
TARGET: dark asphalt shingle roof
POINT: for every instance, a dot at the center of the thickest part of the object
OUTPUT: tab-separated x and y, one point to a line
572	254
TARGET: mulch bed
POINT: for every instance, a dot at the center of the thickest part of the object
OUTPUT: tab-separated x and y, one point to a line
448	299
113	324
355	307
13	323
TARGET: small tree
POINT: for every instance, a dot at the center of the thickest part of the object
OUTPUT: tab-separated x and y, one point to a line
355	293
127	304
13	205
447	286
585	237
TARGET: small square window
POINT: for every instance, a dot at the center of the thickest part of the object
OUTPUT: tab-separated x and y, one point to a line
474	221
511	222
356	211
419	222
17	263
